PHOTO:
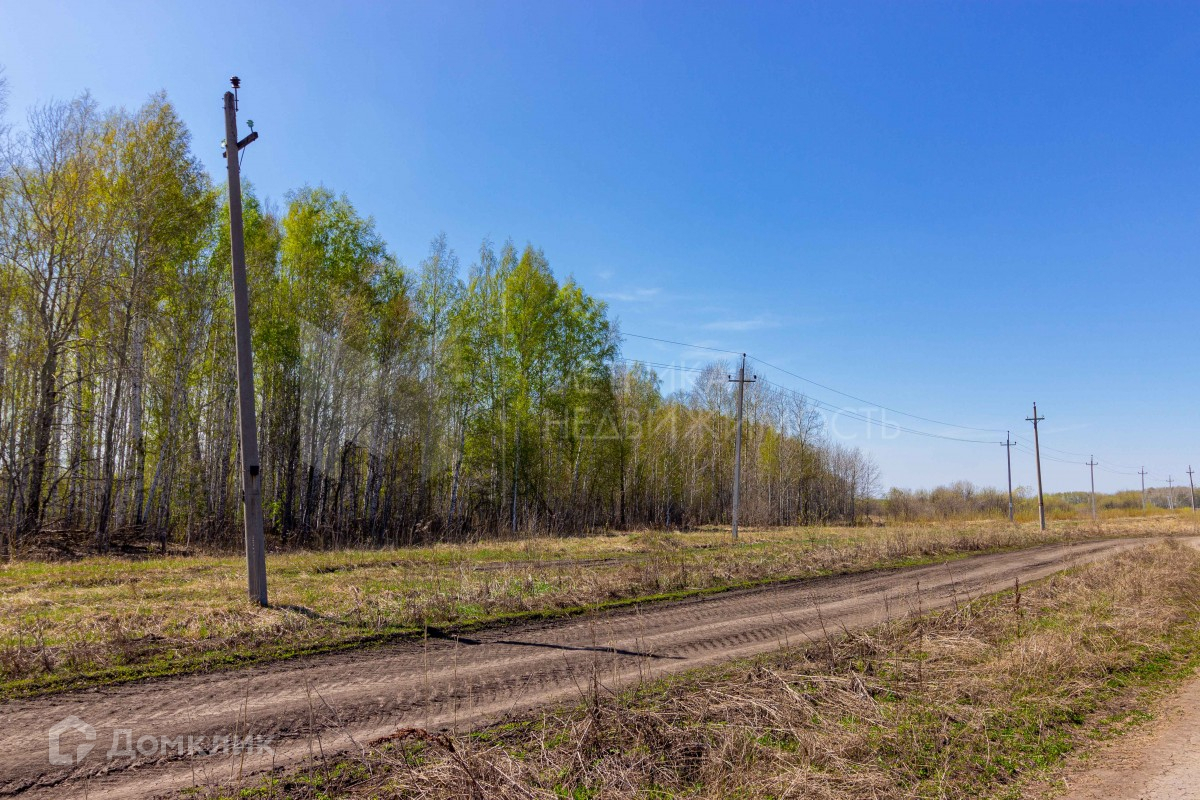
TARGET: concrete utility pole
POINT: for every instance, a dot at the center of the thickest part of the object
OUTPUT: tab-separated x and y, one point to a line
1170	492
737	450
1192	486
1007	444
1092	468
1037	454
1143	474
256	560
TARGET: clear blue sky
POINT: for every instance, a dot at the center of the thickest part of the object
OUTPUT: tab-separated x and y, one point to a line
950	209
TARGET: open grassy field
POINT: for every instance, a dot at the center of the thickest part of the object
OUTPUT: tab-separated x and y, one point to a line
96	620
972	702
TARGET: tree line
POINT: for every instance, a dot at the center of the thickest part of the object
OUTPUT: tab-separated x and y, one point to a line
397	405
964	500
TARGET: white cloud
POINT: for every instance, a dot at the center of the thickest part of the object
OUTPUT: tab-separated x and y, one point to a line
633	295
753	324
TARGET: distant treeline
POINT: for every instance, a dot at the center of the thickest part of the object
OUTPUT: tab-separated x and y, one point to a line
965	500
395	405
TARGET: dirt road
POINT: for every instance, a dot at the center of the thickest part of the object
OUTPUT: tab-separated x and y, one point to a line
332	703
1161	763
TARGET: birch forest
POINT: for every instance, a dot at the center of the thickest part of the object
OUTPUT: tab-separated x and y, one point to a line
455	398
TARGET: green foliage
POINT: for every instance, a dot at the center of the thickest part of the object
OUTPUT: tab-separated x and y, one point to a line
395	405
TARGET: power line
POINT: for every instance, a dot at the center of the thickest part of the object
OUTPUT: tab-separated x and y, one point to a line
682	344
659	364
871	420
1024	448
831	407
819	403
826	406
1111	467
1086	455
877	405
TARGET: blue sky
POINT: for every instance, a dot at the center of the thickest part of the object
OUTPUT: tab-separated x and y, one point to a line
949	209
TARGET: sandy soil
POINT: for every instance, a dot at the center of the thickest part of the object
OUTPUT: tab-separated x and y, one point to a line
327	704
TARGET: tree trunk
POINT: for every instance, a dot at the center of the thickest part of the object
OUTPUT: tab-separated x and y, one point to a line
135	420
43	422
109	475
458	460
516	469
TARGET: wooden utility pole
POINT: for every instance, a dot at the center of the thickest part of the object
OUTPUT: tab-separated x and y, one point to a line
737	448
1143	474
1192	486
256	560
1007	444
1170	492
1092	468
1037	454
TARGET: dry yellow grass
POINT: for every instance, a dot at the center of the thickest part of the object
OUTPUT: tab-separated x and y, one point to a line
102	619
969	703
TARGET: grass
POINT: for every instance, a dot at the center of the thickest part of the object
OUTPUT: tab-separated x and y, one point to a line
974	702
66	625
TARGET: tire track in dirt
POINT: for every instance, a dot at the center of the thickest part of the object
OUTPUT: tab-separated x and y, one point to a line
333	703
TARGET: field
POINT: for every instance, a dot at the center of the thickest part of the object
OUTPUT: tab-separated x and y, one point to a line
972	702
105	620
